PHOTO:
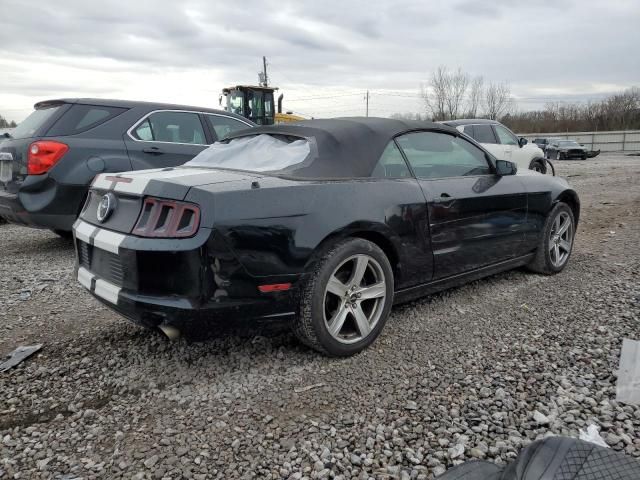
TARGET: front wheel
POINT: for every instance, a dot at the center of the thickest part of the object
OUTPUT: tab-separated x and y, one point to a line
556	241
346	300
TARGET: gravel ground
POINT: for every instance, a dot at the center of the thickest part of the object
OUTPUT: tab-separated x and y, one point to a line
475	372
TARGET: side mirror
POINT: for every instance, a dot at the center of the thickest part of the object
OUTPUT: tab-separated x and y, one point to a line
522	141
504	167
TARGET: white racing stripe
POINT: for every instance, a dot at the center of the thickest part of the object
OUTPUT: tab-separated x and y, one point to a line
85	277
84	231
136	182
107	290
108	240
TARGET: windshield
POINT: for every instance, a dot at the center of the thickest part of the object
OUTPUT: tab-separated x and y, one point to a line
569	143
235	102
258	153
30	125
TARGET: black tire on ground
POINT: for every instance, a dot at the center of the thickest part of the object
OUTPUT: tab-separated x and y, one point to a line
63	234
538	165
310	326
584	157
543	262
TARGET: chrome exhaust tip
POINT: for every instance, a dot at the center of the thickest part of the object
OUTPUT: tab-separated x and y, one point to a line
172	333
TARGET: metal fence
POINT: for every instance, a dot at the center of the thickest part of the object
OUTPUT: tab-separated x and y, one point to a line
614	141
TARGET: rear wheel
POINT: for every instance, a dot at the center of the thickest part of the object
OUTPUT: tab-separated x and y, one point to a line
538	165
63	234
556	241
347	299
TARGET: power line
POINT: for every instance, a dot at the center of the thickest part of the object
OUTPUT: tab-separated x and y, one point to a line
324	97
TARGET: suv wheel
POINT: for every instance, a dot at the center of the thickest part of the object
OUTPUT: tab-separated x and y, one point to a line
63	234
347	299
538	165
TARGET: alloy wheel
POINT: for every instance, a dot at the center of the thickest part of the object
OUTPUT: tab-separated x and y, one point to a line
561	239
354	298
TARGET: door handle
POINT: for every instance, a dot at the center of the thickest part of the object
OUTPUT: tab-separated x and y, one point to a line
445	200
153	150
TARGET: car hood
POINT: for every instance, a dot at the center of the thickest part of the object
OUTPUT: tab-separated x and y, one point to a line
173	182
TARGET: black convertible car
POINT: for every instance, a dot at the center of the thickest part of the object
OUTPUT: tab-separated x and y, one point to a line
328	222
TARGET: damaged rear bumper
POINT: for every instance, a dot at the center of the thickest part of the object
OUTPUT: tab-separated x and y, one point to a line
183	283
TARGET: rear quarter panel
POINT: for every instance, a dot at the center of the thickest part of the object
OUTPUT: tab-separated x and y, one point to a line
278	228
101	149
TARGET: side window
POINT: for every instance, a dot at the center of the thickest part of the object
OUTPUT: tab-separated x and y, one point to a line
440	155
80	118
505	136
468	130
484	134
172	127
391	164
223	126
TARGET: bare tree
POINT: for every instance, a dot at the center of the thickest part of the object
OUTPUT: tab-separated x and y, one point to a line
497	100
435	93
457	85
475	96
620	111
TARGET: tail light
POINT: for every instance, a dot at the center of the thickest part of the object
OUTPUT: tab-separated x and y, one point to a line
167	219
43	155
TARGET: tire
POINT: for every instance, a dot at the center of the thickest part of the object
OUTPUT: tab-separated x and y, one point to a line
538	165
319	303
64	234
584	157
550	246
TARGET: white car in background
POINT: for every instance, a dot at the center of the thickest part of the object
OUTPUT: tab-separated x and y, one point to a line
503	143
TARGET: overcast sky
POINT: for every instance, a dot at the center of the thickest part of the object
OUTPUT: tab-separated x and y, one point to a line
186	51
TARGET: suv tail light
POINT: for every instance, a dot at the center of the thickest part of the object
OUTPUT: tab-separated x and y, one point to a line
167	219
43	155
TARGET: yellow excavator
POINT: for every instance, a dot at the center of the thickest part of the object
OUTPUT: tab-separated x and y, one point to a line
256	102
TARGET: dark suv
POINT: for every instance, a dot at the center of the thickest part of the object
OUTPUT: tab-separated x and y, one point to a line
49	160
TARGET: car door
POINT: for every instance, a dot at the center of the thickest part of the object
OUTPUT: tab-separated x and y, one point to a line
509	141
476	217
165	138
484	134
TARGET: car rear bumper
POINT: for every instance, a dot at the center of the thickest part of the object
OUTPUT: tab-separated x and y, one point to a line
45	204
182	283
573	154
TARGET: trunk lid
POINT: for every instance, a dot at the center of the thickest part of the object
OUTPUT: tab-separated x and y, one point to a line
171	183
130	188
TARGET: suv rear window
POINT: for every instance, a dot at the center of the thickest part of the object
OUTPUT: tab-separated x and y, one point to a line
80	118
30	125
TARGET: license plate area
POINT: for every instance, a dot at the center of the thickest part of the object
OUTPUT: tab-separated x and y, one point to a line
6	167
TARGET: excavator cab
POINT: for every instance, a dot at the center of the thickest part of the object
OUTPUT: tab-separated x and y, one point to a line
252	102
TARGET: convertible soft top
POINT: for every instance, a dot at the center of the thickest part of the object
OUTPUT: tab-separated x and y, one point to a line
344	147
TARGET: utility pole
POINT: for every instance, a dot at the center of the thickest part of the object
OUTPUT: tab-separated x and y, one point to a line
367	98
264	71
